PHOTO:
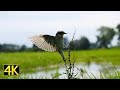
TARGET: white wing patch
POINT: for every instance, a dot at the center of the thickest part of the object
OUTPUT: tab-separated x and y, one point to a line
40	42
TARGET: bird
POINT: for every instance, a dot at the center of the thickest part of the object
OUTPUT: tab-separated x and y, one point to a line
50	43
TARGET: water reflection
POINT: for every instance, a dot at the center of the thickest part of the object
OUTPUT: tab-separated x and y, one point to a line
82	71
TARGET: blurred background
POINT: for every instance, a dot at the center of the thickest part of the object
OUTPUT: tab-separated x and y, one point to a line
96	40
17	26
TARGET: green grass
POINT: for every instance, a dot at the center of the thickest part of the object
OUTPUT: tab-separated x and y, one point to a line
29	61
99	56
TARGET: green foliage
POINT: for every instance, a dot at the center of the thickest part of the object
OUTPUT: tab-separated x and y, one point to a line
23	48
9	48
81	44
84	43
105	36
118	27
118	33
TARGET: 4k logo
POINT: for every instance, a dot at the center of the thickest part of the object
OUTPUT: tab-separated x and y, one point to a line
11	69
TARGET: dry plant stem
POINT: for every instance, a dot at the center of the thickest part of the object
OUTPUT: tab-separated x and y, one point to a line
70	67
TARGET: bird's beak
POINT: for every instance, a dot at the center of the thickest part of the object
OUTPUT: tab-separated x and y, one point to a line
65	33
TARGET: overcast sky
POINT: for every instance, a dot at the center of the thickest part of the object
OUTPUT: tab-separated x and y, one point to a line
17	26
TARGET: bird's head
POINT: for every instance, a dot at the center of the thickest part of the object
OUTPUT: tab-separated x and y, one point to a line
60	33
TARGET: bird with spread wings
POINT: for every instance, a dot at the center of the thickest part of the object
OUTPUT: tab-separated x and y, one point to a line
50	43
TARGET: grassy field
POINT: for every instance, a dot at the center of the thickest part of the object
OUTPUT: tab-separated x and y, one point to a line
29	61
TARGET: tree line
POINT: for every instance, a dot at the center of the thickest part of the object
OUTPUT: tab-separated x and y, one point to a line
104	39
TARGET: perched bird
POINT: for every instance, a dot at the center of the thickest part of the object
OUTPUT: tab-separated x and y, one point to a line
50	43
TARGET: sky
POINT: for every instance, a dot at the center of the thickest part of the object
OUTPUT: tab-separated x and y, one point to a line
17	26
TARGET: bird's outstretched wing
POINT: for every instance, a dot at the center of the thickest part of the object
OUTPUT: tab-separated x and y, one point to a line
45	42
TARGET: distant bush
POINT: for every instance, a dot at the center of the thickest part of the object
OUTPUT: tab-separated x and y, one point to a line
81	44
